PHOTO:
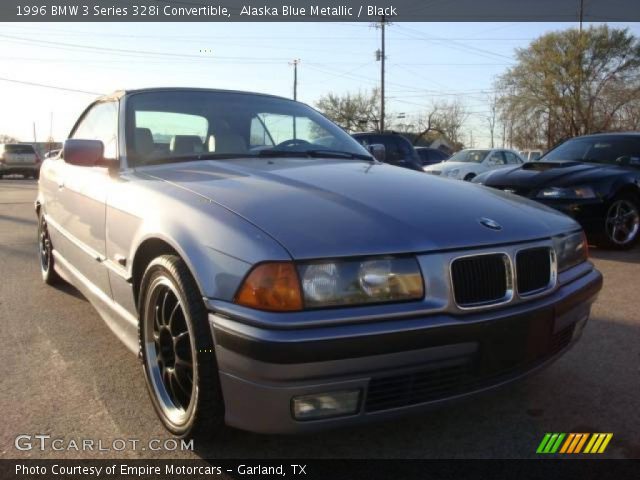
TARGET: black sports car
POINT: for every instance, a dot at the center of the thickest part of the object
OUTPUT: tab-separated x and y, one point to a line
593	178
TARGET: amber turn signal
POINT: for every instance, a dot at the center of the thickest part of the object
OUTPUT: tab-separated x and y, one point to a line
271	286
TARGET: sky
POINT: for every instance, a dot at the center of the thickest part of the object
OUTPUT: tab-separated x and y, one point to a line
426	63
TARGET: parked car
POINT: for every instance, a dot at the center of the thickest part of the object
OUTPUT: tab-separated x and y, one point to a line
594	178
283	286
20	159
467	164
398	150
431	156
531	155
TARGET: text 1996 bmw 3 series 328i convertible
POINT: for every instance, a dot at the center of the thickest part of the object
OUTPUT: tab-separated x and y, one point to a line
272	275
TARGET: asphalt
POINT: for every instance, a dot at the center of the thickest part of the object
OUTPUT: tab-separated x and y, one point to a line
65	374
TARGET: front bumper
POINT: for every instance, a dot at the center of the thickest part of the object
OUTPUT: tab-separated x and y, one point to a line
399	365
18	169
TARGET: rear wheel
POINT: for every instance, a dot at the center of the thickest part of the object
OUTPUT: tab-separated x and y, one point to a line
622	222
177	350
45	251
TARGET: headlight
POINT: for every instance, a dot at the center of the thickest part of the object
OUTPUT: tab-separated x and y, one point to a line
568	193
571	250
353	282
453	173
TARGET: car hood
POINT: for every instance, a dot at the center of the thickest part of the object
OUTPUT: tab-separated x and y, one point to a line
535	175
323	208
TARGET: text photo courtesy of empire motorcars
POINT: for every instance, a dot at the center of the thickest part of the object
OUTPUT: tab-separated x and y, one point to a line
320	240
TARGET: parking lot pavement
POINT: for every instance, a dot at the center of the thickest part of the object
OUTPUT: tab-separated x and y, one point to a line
66	375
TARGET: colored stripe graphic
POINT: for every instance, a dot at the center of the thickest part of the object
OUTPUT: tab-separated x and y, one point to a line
573	444
565	447
581	442
550	443
543	443
591	442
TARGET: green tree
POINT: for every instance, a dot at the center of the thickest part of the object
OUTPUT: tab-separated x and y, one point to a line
573	83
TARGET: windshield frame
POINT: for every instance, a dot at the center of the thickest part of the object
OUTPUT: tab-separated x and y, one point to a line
354	150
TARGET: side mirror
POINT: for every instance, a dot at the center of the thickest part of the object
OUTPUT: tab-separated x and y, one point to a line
378	151
83	153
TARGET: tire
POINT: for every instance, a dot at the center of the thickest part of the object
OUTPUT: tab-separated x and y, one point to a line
177	351
621	228
45	254
469	176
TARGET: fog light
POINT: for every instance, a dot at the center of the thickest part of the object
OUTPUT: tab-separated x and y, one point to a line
322	405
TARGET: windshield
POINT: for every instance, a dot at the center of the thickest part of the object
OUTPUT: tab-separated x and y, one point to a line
470	156
174	125
614	149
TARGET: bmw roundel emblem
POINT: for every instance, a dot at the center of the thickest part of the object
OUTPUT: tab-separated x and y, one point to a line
492	224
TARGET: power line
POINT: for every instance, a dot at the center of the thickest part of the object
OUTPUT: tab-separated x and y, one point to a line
34	84
121	51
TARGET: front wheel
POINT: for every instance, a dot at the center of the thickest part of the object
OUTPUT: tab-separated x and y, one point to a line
45	253
469	176
622	222
177	350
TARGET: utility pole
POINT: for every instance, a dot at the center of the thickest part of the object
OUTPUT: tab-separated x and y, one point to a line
34	133
50	146
581	13
295	63
380	55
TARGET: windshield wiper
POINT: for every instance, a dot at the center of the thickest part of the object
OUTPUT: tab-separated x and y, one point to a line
316	153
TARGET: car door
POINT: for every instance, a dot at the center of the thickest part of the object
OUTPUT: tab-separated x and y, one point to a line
82	193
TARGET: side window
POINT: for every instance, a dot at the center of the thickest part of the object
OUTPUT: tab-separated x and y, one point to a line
393	151
405	148
101	123
497	158
512	159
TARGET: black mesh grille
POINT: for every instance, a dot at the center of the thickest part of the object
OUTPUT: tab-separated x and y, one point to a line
533	267
479	280
467	375
418	387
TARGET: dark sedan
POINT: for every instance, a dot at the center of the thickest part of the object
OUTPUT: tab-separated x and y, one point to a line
594	178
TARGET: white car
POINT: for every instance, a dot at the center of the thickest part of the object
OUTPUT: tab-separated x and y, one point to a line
467	164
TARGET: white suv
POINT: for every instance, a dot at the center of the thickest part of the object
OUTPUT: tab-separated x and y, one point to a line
19	158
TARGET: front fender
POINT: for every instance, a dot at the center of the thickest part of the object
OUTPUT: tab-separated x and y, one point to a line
218	246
